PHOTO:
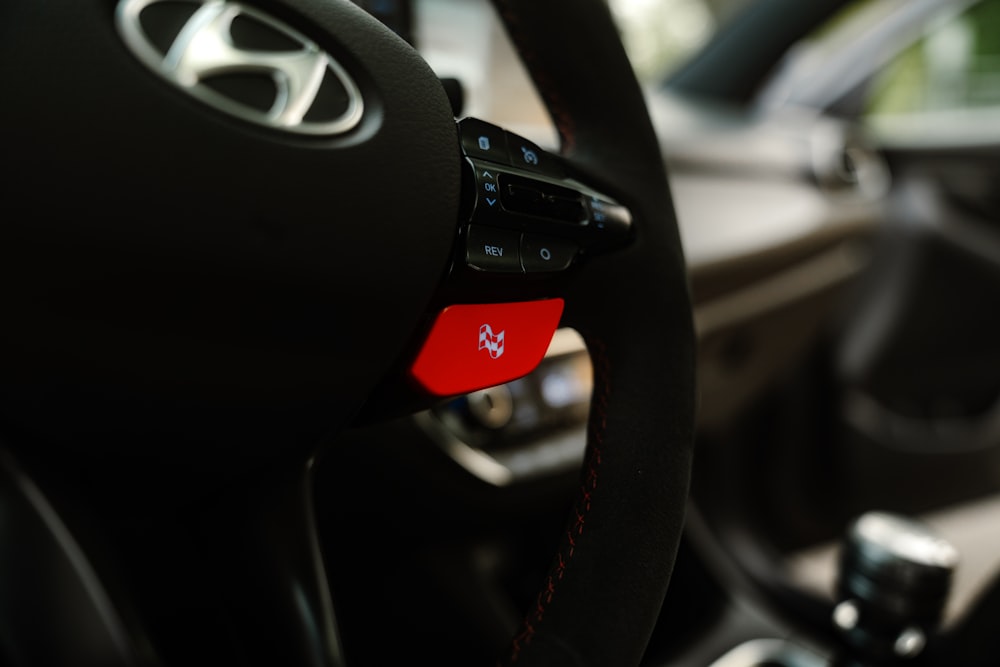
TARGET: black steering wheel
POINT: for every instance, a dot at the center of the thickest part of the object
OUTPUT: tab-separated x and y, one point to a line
203	290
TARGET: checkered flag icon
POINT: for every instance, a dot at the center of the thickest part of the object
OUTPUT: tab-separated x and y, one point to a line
492	343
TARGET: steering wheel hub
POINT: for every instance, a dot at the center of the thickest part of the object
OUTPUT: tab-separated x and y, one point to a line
221	254
209	48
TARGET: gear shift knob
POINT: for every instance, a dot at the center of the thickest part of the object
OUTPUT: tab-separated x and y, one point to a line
893	585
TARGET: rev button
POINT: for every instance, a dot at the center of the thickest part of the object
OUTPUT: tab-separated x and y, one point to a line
493	249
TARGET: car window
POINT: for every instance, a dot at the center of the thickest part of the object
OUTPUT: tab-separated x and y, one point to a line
944	86
913	71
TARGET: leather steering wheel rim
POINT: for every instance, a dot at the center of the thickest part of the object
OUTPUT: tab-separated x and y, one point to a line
602	596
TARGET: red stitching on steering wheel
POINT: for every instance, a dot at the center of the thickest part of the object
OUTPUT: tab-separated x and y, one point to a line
553	100
598	425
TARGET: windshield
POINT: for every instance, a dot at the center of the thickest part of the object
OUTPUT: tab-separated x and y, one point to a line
660	35
464	41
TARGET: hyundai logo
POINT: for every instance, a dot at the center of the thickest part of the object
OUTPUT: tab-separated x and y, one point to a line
243	62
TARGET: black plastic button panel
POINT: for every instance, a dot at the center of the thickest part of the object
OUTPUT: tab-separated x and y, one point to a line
484	140
526	155
493	249
546	253
526	215
530	196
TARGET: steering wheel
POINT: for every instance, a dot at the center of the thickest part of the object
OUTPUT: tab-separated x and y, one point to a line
201	294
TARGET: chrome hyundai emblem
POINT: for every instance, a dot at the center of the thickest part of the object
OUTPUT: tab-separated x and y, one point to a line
204	51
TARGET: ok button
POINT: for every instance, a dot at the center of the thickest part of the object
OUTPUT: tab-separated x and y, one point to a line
545	253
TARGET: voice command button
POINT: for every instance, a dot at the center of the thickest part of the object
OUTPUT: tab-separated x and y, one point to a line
545	253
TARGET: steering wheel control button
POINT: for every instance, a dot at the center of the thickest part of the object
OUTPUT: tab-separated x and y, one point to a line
475	346
483	140
609	217
542	253
527	155
506	197
488	189
493	249
540	198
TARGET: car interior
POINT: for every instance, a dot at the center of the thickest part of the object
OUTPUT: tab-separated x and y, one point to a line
352	333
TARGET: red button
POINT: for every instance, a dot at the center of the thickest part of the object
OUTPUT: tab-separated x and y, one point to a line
476	346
